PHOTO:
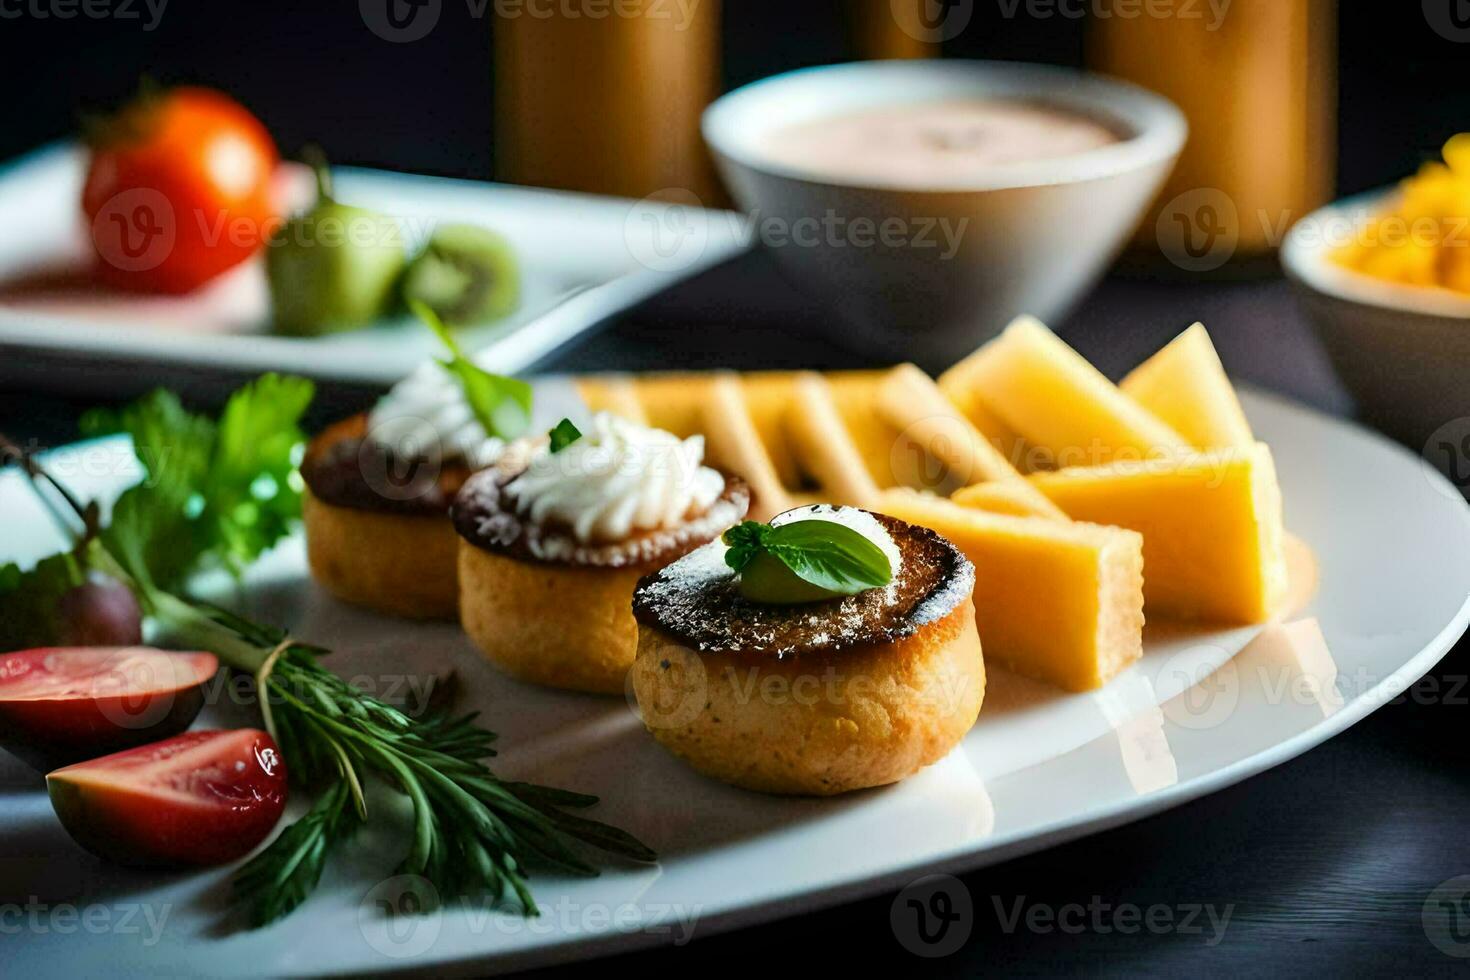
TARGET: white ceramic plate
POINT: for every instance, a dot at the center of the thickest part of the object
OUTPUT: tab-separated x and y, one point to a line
1203	710
619	251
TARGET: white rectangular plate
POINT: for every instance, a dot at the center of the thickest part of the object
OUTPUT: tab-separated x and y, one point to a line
1201	711
615	252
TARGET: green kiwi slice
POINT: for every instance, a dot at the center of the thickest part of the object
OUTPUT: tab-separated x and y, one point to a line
466	274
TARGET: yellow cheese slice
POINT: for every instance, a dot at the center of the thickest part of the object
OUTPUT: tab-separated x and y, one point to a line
733	444
768	395
824	448
891	460
1051	395
1055	600
959	387
674	402
613	393
1211	526
1185	385
1003	498
914	406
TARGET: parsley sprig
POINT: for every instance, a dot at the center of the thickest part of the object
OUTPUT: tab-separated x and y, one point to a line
563	434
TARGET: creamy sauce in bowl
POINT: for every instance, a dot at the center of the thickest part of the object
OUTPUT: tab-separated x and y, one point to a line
935	143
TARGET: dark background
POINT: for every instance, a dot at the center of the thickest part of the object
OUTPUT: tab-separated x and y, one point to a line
314	72
1327	859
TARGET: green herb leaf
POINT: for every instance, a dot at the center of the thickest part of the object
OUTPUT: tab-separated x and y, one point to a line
563	435
29	597
218	494
502	405
832	558
745	541
278	879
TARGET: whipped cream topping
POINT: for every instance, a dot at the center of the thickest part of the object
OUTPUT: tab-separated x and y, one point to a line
619	479
425	416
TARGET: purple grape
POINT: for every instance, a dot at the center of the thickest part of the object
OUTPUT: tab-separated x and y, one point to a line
101	612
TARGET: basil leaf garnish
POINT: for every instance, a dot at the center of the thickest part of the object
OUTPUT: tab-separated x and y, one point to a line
502	405
830	556
826	555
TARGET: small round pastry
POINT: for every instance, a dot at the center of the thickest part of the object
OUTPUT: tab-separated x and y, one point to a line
550	554
378	490
817	695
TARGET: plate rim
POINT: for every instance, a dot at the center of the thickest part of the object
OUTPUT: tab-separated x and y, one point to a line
1011	844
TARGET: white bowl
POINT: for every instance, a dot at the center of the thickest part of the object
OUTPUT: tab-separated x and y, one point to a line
1401	350
1027	238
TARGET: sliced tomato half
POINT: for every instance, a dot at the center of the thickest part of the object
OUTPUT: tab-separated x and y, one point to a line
64	704
200	798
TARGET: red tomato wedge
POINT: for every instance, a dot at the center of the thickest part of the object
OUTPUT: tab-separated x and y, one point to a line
200	798
63	704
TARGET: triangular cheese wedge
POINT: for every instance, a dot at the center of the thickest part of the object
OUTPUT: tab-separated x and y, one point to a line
1211	525
1050	395
1185	385
915	408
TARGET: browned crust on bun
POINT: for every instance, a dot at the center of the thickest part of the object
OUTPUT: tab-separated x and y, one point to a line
344	468
817	725
485	519
697	601
400	564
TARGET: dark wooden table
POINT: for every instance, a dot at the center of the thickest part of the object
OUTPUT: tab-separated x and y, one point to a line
1326	862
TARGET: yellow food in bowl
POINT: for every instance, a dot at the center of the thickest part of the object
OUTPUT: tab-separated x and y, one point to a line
1423	238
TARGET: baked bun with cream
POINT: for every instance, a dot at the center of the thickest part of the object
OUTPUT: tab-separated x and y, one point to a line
378	490
788	676
549	553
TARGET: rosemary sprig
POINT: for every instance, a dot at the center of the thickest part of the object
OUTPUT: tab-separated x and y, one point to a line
473	835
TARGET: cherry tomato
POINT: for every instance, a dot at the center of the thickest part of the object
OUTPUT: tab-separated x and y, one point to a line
178	190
